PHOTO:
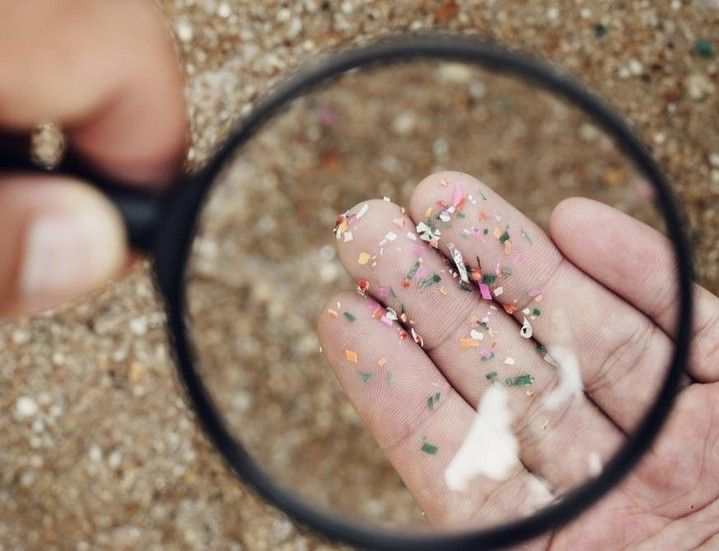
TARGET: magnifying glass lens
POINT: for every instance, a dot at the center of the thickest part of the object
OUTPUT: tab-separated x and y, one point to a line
403	319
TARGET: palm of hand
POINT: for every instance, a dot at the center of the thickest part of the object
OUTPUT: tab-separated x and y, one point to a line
603	307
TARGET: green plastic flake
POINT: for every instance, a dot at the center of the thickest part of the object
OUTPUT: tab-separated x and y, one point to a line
520	380
492	376
433	399
431	449
507	271
413	270
350	317
541	348
600	30
486	231
489	279
391	292
704	48
504	237
366	377
536	311
436	278
464	286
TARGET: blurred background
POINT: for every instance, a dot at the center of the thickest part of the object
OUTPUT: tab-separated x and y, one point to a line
110	456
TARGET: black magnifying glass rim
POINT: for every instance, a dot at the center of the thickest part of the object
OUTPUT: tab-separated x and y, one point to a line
173	246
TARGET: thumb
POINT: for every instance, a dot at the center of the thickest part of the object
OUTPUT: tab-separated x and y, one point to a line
59	238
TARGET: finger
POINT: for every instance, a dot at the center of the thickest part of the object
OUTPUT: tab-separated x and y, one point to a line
106	72
59	238
560	444
641	269
614	346
388	378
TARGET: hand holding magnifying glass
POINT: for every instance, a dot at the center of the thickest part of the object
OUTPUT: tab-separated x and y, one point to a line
670	500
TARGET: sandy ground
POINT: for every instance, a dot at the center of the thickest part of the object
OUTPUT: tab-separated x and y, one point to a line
111	456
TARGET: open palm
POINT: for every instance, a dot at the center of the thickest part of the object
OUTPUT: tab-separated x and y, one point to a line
567	338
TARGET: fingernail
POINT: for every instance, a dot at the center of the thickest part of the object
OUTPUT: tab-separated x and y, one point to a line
66	253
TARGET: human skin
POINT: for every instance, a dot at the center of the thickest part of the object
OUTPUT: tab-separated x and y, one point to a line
59	238
609	300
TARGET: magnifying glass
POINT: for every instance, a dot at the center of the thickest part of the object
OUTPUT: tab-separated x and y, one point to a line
476	398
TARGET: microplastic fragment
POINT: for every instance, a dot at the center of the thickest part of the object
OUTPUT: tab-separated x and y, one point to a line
363	258
492	377
498	291
504	237
509	308
489	279
459	262
332	312
350	317
509	361
366	377
391	236
468	343
390	378
431	449
413	270
391	314
521	380
526	330
362	211
485	354
419	340
527	237
476	335
351	356
433	399
399	222
428	282
426	233
386	199
485	292
382	362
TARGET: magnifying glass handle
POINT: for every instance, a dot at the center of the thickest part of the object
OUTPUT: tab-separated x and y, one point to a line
141	210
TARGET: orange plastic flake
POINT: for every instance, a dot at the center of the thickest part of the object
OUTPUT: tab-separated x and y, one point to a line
362	285
399	222
507	247
497	232
443	290
332	312
428	212
363	258
351	356
509	308
468	343
382	362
